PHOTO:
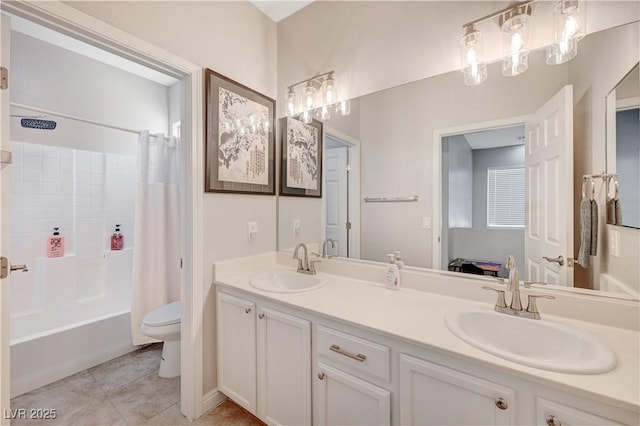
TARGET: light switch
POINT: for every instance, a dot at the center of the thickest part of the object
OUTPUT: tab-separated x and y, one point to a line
296	226
426	222
252	230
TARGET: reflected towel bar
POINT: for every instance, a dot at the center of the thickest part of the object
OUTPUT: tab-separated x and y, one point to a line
390	199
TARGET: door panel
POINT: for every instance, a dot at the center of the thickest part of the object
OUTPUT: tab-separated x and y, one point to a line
336	180
5	382
549	189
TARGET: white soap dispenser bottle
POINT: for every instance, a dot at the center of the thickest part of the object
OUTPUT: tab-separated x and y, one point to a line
399	261
392	276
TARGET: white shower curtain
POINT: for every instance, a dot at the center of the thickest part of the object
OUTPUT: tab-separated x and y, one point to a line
156	253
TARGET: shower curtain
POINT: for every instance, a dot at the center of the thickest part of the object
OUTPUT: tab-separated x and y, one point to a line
156	252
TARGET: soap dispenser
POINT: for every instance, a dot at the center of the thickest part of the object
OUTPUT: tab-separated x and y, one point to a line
392	276
399	261
117	240
55	244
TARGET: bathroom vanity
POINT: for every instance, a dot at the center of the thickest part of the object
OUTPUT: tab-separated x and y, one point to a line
352	352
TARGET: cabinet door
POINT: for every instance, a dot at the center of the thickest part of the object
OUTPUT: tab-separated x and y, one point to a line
434	395
284	368
237	350
347	400
554	414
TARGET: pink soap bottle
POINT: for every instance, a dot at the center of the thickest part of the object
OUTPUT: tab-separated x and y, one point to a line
117	240
55	244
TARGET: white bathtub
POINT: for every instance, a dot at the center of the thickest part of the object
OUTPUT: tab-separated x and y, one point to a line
73	323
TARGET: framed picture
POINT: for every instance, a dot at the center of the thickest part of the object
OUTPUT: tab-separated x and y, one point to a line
240	138
301	158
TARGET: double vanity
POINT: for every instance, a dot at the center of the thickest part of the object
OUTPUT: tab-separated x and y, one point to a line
338	347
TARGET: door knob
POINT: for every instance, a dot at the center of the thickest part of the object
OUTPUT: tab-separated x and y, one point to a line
559	260
6	267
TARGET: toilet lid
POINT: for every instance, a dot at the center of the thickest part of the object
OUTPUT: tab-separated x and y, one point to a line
164	315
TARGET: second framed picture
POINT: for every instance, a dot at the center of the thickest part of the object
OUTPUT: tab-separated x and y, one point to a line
301	154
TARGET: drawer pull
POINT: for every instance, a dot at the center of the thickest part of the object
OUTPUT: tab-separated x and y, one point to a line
357	357
553	421
501	404
261	316
321	376
247	310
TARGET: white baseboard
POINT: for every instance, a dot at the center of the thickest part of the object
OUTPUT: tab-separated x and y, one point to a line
211	400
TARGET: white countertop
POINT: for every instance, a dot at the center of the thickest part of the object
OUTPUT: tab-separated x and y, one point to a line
419	318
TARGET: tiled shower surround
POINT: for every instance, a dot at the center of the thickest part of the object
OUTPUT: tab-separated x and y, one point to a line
85	194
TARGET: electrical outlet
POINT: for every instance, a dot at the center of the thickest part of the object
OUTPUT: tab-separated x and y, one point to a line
252	230
296	226
614	243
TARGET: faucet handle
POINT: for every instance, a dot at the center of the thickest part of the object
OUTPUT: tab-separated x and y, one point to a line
532	307
501	281
528	284
500	301
312	265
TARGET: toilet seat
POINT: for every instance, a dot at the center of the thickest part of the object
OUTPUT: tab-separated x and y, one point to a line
164	315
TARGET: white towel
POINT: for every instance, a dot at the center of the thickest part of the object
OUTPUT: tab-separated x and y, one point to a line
585	234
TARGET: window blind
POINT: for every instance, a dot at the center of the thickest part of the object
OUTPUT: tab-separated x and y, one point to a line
505	197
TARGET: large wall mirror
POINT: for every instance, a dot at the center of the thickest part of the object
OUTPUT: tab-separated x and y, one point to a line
452	175
623	151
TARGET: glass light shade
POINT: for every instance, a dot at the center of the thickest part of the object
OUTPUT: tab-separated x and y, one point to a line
330	90
516	51
569	19
323	113
561	52
309	92
305	117
291	102
473	67
343	107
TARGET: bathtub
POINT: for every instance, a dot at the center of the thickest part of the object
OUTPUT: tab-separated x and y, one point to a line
71	324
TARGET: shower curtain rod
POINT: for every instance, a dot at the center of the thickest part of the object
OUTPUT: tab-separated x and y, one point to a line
72	117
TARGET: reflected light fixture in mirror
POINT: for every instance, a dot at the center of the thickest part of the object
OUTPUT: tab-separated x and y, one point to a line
473	68
569	21
319	95
515	40
568	28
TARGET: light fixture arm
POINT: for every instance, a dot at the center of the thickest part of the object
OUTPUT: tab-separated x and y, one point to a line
316	81
505	13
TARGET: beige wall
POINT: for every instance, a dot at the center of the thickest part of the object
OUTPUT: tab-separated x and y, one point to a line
238	41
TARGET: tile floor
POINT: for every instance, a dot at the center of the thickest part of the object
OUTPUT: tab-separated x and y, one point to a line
123	391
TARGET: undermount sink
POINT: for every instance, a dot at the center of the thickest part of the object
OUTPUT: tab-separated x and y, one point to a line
537	343
286	281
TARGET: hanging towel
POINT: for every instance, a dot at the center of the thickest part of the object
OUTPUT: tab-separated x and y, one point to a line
618	211
611	211
593	248
585	234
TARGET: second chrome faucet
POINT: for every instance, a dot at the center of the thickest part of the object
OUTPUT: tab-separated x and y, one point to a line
513	286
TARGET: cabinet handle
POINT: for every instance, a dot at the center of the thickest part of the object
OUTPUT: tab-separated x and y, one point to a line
247	310
553	420
357	357
261	316
501	404
321	376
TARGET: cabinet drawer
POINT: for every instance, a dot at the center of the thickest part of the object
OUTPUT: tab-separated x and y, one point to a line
354	352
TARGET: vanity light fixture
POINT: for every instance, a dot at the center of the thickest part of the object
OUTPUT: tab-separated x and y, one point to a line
569	20
515	39
568	27
473	67
319	95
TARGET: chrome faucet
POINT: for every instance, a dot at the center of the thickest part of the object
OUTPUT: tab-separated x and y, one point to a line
513	285
324	247
305	266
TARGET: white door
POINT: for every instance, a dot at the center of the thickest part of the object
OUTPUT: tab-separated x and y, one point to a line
236	327
5	382
336	181
435	395
549	189
347	400
284	368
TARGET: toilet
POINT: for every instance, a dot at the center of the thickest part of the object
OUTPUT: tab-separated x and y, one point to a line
164	324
